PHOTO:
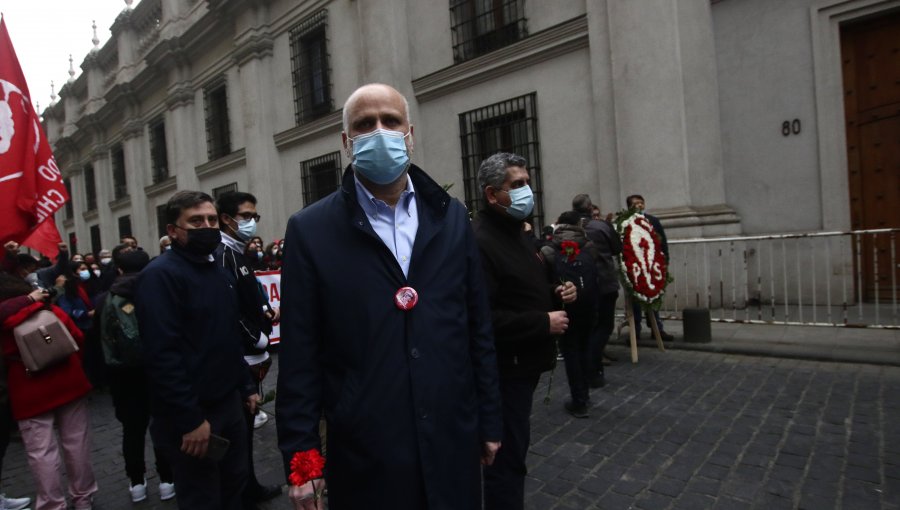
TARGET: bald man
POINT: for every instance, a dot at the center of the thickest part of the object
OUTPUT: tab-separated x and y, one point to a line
387	330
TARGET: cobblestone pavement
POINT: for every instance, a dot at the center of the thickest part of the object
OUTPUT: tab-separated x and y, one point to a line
681	429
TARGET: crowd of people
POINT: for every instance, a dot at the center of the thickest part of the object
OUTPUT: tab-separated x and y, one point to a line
414	335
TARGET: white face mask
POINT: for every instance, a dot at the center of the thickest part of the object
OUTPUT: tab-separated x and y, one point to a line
105	260
97	273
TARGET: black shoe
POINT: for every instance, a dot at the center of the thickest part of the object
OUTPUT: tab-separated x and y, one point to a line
598	381
576	410
667	337
610	356
266	492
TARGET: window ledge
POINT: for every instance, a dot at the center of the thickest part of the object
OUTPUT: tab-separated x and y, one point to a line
299	134
90	215
68	222
120	203
558	40
227	162
161	187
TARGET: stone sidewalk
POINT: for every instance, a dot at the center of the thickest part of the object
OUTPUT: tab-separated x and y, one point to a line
681	429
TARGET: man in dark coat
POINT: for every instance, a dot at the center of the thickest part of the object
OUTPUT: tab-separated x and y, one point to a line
386	328
637	202
524	316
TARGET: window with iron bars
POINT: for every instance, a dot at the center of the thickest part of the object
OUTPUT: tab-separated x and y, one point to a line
90	187
309	67
221	190
159	159
218	135
508	126
70	209
96	244
120	188
482	26
124	226
161	220
320	177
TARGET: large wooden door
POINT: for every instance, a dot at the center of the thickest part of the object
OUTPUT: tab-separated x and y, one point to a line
871	67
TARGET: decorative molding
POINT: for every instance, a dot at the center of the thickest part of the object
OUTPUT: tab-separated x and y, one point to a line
697	216
161	187
547	44
180	94
99	152
331	123
236	159
90	215
68	222
132	128
255	46
120	203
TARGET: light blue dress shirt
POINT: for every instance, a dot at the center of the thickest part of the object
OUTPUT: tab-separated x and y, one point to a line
395	226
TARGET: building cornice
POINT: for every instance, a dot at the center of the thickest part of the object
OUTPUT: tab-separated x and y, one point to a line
676	217
555	41
331	123
132	127
161	187
180	94
121	203
90	215
254	46
236	159
99	152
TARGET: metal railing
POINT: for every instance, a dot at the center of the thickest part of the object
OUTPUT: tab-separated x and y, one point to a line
844	279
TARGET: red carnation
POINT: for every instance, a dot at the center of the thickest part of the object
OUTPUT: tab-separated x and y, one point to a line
570	249
306	466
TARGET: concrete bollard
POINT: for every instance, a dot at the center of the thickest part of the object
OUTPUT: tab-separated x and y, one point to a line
697	325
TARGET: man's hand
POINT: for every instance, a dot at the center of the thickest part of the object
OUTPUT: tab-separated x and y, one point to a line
305	497
63	247
252	403
274	314
195	442
38	295
12	247
559	322
489	451
567	292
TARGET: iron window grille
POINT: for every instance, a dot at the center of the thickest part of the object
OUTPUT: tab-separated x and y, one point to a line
90	188
120	188
159	159
320	177
482	26
218	135
70	209
309	68
96	244
73	243
507	126
124	226
161	220
221	190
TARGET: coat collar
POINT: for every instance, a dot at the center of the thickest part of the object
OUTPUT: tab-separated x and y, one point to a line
428	193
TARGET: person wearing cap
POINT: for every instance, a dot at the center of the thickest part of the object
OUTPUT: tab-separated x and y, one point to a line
386	329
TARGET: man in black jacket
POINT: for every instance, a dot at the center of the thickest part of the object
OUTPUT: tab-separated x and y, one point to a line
237	222
524	316
188	321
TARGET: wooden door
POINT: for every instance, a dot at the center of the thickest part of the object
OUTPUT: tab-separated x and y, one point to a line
871	68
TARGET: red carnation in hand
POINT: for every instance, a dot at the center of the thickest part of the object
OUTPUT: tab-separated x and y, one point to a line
570	249
306	466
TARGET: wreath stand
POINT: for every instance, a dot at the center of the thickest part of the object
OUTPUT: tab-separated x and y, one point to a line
651	318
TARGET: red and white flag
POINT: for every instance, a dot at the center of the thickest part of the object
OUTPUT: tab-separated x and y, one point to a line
31	185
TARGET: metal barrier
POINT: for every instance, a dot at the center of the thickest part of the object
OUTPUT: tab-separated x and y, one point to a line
844	279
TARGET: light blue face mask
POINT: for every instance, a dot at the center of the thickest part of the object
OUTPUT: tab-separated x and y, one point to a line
84	274
380	156
521	202
246	229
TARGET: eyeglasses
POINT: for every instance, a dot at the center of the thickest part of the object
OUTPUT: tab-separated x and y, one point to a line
249	216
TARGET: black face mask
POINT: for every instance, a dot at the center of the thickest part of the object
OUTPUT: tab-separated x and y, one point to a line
202	241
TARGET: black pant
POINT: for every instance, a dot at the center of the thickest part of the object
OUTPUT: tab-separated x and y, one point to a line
504	481
576	349
6	425
204	484
606	323
131	400
636	308
253	488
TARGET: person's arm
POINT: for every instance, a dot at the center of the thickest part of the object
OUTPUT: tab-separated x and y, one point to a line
47	276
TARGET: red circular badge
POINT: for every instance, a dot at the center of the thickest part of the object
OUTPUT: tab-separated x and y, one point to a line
406	298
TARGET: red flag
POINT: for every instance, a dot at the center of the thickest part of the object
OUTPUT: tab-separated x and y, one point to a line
31	185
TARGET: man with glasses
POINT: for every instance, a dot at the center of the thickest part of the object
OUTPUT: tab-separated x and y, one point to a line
198	379
237	222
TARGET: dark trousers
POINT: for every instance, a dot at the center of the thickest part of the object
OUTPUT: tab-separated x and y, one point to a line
204	484
504	481
636	308
253	488
131	400
576	350
606	323
6	425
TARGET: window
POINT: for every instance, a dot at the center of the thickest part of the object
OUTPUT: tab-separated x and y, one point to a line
124	226
120	189
159	160
73	243
70	209
96	245
508	126
482	26
161	221
90	188
321	176
218	136
309	66
217	192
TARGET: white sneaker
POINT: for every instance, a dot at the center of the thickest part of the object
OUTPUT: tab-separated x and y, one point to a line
138	492
13	503
260	419
166	491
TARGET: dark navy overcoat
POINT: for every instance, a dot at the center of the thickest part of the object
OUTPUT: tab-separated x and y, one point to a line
408	396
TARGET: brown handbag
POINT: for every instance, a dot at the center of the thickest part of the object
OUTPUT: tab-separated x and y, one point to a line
43	341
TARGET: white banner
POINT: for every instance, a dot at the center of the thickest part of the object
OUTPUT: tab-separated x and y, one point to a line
271	282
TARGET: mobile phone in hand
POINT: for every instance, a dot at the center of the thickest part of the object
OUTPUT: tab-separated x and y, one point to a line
217	447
